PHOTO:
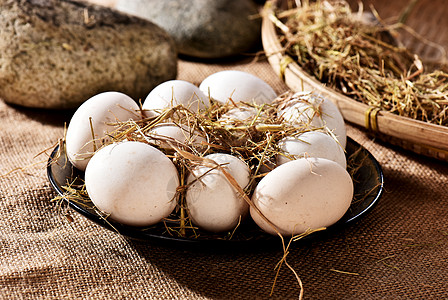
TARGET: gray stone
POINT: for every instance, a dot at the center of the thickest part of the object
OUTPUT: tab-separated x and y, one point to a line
57	54
202	28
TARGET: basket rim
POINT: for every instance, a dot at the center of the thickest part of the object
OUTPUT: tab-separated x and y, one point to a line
419	133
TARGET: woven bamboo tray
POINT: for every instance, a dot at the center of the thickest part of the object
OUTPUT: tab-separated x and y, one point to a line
427	18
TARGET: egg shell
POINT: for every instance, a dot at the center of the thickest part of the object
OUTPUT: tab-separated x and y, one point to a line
176	133
172	93
319	111
302	194
311	144
301	112
241	115
239	86
213	203
97	113
133	182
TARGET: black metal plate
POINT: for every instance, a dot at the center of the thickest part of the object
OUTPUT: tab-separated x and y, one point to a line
368	188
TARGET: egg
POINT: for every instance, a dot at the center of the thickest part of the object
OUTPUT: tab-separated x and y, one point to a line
238	86
307	193
97	114
241	115
164	132
301	112
318	111
172	93
311	144
213	203
132	182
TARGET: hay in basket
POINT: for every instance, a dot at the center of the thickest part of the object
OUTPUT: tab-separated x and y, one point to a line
399	93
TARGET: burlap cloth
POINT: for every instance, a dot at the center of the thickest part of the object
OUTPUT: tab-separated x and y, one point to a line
398	251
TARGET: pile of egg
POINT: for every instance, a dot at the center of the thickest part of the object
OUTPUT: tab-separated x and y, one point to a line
137	184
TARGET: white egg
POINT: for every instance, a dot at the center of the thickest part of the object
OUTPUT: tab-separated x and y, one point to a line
238	86
163	133
241	115
213	203
307	193
133	182
172	93
311	144
98	114
301	112
319	111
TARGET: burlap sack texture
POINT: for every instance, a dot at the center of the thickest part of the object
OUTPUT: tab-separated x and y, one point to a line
398	251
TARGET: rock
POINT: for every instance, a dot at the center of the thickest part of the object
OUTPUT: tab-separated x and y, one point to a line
202	28
57	54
